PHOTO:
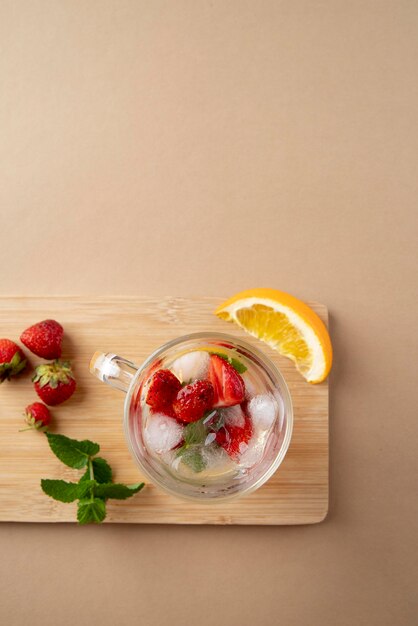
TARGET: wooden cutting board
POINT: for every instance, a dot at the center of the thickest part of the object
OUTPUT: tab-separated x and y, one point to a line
133	328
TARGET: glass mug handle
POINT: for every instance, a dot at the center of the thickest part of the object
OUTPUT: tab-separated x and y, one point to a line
113	370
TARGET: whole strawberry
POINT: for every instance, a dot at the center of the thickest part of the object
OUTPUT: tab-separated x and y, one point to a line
193	400
12	359
44	339
54	382
37	417
162	390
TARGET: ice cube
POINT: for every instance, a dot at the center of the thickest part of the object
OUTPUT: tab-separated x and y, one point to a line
215	457
210	439
262	410
191	366
162	433
233	416
250	387
251	453
169	457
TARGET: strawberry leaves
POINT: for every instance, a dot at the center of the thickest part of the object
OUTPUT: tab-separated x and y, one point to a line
12	359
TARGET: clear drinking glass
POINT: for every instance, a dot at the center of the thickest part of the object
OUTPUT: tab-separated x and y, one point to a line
223	477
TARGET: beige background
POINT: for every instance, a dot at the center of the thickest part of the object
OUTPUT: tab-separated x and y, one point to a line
201	147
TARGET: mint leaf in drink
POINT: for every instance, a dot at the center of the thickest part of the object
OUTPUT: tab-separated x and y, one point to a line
195	435
236	363
61	490
91	511
195	432
72	452
192	457
101	470
117	491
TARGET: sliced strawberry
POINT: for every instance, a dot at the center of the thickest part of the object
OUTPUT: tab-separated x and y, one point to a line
162	390
227	383
193	400
233	439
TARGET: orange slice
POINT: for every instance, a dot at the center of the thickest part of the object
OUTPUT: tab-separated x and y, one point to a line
286	324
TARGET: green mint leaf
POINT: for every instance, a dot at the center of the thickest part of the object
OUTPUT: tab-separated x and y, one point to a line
101	469
236	363
65	492
193	458
91	511
61	490
194	435
195	432
117	491
70	451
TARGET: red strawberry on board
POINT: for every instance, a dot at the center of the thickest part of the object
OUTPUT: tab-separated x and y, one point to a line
44	339
54	382
12	359
233	439
37	417
162	390
193	401
227	383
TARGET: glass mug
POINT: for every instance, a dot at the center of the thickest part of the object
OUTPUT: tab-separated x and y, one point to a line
221	475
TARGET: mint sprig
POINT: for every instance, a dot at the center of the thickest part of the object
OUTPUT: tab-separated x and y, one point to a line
194	435
94	487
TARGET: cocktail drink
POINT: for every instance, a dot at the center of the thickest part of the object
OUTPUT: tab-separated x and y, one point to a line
208	413
206	416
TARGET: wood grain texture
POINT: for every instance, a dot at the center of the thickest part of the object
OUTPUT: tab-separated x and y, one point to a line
133	328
